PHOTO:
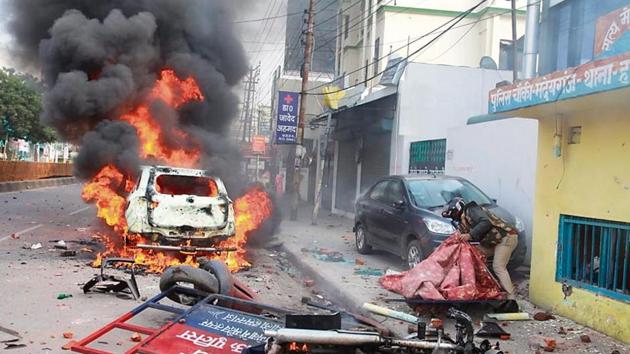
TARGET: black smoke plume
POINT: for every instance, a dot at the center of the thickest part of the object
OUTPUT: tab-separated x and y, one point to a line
99	59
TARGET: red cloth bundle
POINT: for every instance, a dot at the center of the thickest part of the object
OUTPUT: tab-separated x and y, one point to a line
456	270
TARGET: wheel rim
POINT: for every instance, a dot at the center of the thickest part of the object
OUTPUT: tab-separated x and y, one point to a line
413	256
360	237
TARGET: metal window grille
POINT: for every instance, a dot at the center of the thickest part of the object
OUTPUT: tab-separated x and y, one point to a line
427	156
594	254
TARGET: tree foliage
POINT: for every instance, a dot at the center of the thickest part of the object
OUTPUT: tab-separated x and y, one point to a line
20	107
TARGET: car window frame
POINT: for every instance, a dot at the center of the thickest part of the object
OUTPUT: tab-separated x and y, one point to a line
369	195
402	191
463	181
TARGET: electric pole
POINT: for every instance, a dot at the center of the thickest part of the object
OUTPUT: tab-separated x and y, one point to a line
249	95
308	53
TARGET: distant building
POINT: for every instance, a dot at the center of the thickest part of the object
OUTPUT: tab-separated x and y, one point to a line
372	29
324	34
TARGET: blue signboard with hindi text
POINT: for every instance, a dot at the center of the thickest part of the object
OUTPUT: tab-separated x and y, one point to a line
287	118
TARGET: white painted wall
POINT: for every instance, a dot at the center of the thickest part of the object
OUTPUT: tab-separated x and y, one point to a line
500	158
435	98
476	36
436	101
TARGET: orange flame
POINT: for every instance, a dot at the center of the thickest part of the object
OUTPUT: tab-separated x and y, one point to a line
173	92
109	188
250	211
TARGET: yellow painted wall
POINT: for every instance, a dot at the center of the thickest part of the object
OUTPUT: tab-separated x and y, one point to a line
595	183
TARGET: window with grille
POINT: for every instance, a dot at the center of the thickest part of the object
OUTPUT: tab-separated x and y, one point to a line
594	254
427	156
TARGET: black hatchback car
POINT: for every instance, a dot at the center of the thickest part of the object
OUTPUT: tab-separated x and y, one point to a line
402	215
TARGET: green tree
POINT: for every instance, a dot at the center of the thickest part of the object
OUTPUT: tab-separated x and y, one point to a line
20	107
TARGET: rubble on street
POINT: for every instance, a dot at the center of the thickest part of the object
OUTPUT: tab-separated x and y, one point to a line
315	177
339	278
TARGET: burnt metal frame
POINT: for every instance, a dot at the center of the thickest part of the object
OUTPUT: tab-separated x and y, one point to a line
123	284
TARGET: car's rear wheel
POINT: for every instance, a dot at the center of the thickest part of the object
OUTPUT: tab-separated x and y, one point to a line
414	253
361	240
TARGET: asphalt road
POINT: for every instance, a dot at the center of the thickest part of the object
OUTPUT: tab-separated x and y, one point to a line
31	280
40	215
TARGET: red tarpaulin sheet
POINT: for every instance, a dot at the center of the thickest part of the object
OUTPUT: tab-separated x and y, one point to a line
456	270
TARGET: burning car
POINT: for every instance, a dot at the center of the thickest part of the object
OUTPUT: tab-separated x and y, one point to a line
176	205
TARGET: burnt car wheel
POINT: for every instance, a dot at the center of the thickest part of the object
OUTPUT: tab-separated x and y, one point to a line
361	240
414	253
187	276
221	272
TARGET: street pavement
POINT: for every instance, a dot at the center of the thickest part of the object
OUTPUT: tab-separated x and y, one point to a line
340	281
32	279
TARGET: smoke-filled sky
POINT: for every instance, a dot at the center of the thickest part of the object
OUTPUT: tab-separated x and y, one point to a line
266	48
101	58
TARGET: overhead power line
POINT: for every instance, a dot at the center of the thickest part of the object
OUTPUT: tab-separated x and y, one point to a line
459	18
472	24
267	18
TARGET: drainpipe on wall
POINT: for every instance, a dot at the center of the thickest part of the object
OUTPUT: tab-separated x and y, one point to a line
530	52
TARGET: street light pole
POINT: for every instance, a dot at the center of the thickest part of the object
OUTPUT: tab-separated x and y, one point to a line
308	53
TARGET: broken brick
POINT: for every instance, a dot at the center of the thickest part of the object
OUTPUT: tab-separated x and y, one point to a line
136	337
359	261
68	335
69	345
309	283
550	342
585	338
543	316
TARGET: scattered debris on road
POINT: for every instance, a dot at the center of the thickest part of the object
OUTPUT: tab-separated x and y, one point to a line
111	283
384	311
69	345
68	253
541	342
10	332
514	316
11	345
543	316
36	246
326	255
375	272
492	330
62	296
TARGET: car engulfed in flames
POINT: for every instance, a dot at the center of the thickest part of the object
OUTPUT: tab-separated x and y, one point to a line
172	205
181	205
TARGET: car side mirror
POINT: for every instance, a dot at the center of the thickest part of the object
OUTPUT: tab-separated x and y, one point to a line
494	200
399	204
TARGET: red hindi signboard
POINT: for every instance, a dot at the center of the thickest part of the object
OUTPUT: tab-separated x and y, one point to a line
259	144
